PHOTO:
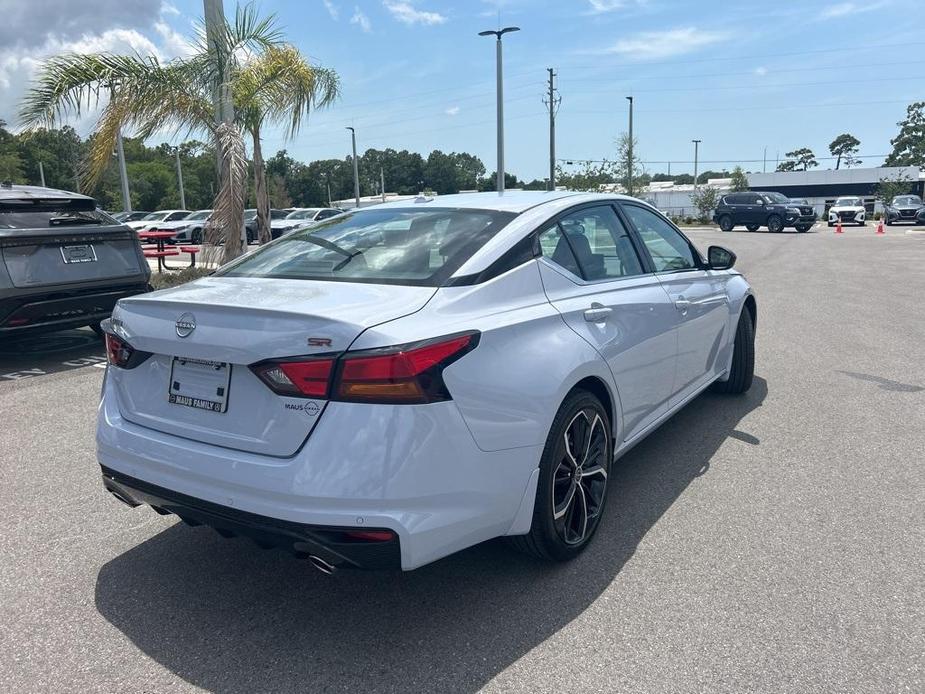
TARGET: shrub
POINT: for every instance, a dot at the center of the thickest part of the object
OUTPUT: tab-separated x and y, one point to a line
162	280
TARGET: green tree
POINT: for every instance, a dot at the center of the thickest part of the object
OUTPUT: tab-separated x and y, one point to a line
845	148
705	199
798	160
891	186
632	181
589	177
739	181
11	165
909	144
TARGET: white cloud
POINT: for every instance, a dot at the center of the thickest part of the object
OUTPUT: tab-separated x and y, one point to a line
173	43
452	111
168	8
361	20
652	45
406	13
844	9
761	71
331	8
604	6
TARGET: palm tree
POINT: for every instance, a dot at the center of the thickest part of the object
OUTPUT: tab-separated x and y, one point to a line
147	95
279	85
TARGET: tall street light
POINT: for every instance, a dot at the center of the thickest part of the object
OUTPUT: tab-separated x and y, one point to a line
629	153
696	149
356	170
499	34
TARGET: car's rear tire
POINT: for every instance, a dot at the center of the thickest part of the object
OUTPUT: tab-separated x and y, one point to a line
97	328
775	224
572	486
743	359
752	227
725	223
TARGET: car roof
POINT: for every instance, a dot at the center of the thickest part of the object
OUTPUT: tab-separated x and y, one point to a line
18	192
516	201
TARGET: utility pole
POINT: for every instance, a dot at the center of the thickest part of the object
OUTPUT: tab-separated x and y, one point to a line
553	103
42	174
356	168
696	149
500	98
123	174
764	161
176	153
629	153
382	182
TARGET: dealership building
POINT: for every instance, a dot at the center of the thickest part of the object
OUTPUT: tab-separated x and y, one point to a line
819	188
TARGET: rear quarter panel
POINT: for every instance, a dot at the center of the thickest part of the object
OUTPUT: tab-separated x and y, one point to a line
509	388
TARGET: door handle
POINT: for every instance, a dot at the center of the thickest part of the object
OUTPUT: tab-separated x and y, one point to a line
597	313
682	304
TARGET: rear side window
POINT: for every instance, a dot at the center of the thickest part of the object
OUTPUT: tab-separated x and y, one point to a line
392	246
591	243
733	199
53	217
670	251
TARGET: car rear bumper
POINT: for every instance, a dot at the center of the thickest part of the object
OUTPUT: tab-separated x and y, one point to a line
61	309
334	545
411	469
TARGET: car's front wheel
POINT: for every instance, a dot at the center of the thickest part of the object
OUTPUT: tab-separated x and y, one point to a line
743	358
775	223
572	484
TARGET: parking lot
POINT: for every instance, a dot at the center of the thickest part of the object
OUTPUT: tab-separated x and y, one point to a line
769	542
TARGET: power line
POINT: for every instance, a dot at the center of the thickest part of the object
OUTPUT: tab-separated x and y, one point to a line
711	161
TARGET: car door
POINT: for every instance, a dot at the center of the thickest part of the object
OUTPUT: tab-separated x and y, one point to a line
697	293
593	275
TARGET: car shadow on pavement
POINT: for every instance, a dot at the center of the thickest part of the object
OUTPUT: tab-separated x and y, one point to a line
226	616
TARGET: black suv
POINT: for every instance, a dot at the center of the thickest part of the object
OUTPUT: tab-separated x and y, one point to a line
904	209
63	262
757	209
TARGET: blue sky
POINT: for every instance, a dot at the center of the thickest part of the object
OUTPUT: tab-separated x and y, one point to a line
741	76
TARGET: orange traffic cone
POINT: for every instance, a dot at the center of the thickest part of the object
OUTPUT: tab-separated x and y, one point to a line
880	227
838	227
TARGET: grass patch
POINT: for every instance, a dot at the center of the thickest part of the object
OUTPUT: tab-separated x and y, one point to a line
162	280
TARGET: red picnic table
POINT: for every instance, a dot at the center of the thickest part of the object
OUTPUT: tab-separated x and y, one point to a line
161	251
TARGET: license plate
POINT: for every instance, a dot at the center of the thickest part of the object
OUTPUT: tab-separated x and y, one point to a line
78	254
199	383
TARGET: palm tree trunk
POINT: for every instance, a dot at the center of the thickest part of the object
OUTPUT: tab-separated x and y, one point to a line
264	234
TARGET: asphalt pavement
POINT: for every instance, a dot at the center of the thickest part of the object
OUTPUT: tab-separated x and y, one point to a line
766	543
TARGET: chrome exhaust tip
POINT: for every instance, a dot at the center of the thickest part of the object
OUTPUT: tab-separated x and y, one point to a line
320	564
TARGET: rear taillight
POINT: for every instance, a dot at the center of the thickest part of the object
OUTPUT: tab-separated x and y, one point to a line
407	374
404	374
120	353
306	378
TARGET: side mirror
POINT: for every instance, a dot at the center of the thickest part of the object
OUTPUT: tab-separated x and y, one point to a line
719	258
760	201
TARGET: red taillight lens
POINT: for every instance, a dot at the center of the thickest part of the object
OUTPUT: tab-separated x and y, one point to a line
407	374
118	351
302	379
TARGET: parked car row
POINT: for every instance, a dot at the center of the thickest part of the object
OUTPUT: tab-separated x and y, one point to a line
905	209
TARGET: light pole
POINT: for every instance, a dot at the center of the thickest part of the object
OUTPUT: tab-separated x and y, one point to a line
629	153
356	169
499	33
176	154
696	147
123	174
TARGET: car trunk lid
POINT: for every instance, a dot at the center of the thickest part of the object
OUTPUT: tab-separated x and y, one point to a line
238	322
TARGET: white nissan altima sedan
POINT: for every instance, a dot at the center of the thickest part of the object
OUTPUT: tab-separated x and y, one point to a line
406	380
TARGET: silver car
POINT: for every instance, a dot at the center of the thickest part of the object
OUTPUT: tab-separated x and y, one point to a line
64	262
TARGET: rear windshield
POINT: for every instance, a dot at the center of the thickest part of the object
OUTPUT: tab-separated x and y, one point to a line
51	217
397	246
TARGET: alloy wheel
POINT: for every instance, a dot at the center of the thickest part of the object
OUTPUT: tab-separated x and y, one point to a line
580	479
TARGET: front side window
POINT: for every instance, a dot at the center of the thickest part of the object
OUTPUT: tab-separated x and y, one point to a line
174	216
670	251
393	246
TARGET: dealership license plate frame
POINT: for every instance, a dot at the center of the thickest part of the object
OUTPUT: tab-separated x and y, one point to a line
78	253
206	384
